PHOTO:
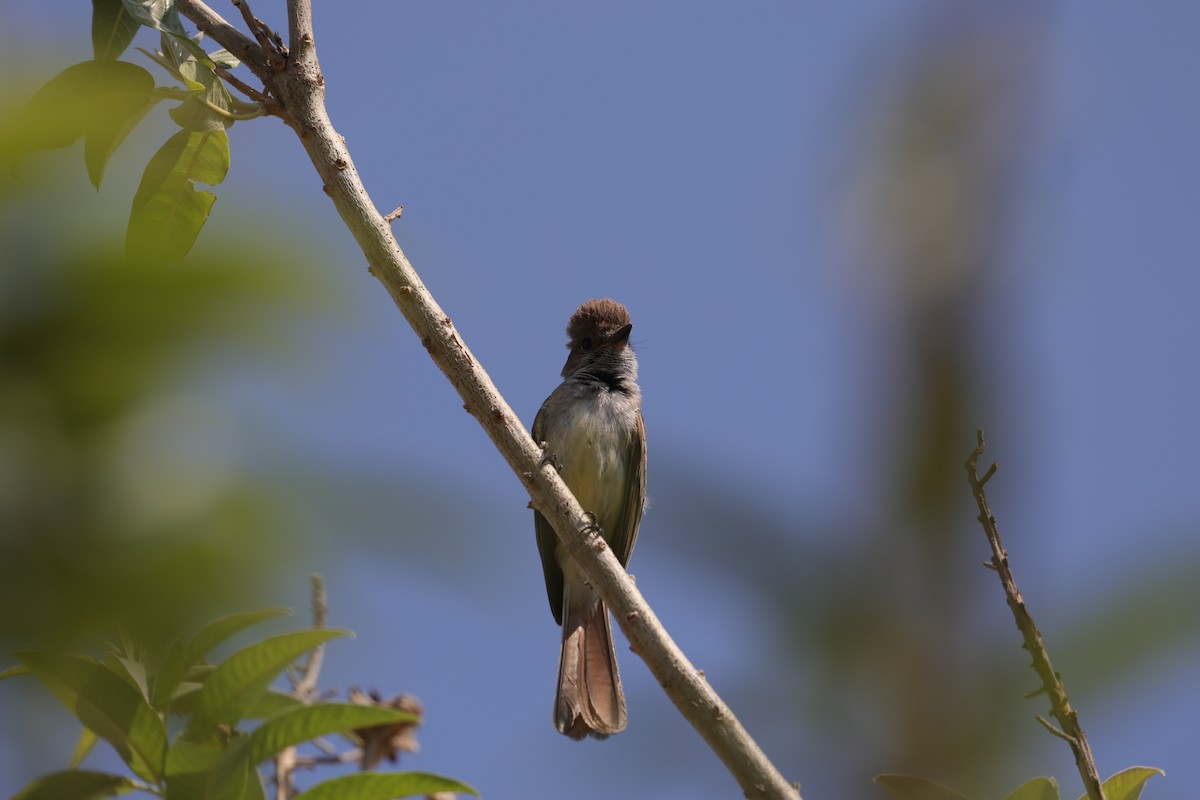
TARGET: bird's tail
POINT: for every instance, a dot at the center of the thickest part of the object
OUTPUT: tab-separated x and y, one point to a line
589	700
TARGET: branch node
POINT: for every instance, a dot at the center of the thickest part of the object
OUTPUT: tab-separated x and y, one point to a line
395	215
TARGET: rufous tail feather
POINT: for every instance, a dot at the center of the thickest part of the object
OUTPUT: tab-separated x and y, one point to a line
589	701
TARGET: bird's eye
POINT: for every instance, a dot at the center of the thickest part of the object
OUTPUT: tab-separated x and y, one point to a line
586	344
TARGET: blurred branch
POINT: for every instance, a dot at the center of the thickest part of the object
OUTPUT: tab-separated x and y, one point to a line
1052	684
304	689
299	85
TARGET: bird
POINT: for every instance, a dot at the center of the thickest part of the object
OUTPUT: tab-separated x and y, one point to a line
591	428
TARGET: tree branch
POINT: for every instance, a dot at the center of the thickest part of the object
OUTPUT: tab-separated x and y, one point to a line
229	37
1052	684
306	687
300	87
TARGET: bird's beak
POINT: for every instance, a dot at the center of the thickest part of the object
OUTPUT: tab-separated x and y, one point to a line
620	336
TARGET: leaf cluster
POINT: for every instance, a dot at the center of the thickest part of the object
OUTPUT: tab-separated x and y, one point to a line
1124	785
133	696
102	100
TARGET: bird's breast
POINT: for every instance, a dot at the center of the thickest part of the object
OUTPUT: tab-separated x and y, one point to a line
591	439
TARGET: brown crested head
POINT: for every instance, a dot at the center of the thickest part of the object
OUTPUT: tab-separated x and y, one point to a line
595	321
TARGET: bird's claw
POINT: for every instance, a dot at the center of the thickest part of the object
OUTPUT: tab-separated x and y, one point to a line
549	458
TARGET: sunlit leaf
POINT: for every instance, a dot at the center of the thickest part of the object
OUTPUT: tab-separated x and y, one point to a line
87	740
224	59
113	28
384	786
238	682
189	767
12	672
189	774
220	630
207	107
129	670
168	675
106	704
1127	784
272	703
1037	789
291	728
168	211
162	15
911	787
77	784
308	722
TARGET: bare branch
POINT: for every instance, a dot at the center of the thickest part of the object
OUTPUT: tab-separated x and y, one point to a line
306	688
300	88
1052	684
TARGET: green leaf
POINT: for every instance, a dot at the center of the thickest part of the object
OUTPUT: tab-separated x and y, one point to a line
129	670
384	786
291	728
77	784
167	676
108	132
1036	789
220	630
161	15
87	740
308	722
168	211
207	108
12	672
189	774
910	787
94	96
112	29
189	766
224	59
241	680
1127	784
107	705
272	703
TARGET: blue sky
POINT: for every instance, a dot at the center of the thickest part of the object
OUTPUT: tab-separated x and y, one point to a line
695	162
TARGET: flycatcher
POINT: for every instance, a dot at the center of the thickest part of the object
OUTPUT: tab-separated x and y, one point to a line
593	430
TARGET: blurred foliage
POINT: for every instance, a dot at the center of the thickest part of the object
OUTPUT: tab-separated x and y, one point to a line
124	491
179	722
885	653
1125	785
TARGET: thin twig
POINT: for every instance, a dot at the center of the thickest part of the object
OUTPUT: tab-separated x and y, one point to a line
344	757
306	688
267	38
233	40
301	90
1060	706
